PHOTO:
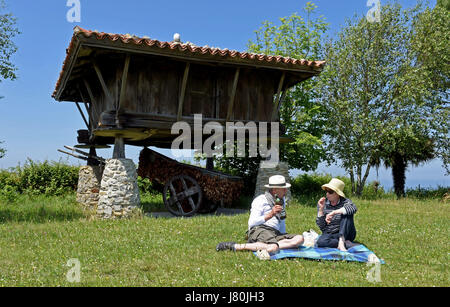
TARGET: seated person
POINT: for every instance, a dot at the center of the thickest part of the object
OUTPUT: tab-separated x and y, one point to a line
335	217
267	223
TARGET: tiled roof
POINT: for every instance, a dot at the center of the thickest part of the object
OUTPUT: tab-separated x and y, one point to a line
128	39
190	48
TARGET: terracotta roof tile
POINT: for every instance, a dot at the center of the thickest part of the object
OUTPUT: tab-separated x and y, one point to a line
183	47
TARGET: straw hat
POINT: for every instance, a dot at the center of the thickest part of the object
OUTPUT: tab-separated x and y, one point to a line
277	181
335	185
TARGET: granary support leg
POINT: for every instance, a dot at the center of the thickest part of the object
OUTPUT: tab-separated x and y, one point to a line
119	148
89	179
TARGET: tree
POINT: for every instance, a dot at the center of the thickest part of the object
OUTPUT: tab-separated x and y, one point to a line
372	88
431	74
408	147
2	151
300	38
8	31
444	4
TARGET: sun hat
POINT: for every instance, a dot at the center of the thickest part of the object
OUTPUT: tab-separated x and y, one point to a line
335	185
277	181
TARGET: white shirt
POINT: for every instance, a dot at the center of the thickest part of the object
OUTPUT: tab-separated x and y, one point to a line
260	207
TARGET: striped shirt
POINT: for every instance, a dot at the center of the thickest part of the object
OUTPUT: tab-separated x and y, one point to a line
334	225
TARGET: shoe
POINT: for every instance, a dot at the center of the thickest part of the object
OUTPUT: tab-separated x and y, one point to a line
263	255
223	246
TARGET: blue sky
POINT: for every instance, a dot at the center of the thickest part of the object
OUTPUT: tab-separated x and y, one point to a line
33	125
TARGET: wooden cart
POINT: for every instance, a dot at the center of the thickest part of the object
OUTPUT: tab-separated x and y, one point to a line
188	189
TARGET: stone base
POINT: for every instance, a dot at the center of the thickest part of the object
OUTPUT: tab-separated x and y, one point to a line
265	173
89	179
119	192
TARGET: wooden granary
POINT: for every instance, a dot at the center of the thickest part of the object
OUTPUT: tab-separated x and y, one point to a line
136	88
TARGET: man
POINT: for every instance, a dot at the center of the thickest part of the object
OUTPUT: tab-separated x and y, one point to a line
335	217
267	223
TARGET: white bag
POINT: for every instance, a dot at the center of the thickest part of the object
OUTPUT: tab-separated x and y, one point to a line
310	238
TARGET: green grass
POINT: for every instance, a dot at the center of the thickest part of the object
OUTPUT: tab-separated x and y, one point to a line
39	235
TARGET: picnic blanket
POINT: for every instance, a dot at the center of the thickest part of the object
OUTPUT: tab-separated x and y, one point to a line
358	253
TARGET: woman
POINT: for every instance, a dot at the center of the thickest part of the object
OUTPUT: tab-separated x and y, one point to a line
335	217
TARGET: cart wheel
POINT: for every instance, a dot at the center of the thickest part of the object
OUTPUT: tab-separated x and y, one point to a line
182	195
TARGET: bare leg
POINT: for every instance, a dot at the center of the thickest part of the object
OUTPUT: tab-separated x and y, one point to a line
341	244
271	248
291	243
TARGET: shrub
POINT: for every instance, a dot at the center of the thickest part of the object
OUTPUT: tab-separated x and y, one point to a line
428	193
51	178
308	188
9	194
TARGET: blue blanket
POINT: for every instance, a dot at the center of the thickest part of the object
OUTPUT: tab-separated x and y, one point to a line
358	253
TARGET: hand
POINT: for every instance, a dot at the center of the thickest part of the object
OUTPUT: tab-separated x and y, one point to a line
321	203
329	216
276	209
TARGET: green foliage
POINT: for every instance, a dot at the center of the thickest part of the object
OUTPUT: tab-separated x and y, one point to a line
430	78
301	38
2	151
244	167
443	3
308	188
9	194
8	31
377	90
50	178
428	193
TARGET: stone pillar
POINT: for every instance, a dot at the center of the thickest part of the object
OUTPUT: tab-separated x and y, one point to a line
265	173
119	192
89	179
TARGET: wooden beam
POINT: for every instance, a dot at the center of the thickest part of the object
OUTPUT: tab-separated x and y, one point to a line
183	91
233	94
278	97
123	87
102	81
82	115
88	107
91	97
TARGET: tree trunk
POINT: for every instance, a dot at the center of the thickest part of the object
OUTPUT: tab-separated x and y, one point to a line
398	175
352	180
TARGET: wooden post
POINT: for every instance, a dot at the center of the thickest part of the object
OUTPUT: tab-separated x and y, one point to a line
102	81
91	96
119	148
93	162
88	108
123	87
278	98
183	92
233	94
82	115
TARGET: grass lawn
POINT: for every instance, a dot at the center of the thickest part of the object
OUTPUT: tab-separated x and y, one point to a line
38	235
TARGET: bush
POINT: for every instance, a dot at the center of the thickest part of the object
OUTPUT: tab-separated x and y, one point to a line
9	194
308	188
428	193
50	178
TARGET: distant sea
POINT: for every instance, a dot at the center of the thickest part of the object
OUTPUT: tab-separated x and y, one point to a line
428	175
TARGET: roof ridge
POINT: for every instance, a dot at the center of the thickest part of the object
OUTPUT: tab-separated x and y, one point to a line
127	38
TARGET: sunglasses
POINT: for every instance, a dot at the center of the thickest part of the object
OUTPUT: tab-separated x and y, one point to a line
331	192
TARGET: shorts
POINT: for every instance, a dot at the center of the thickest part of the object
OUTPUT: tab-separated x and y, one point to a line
266	234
